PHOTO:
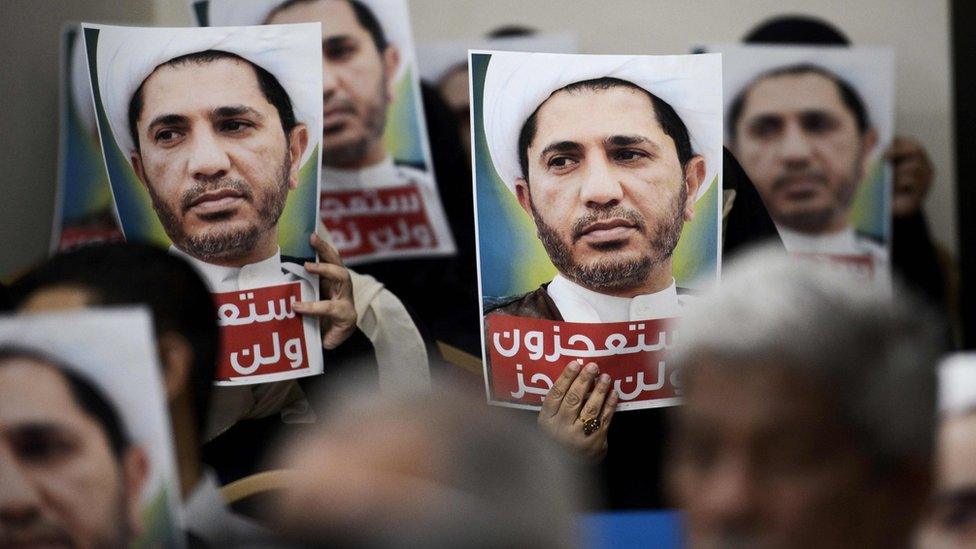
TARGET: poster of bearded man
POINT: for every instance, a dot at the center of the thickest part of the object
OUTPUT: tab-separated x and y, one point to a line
598	182
212	141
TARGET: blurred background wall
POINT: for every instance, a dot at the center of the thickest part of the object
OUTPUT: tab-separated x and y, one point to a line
917	29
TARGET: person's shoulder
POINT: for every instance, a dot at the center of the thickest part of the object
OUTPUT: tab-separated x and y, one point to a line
413	173
295	266
687	296
870	244
533	304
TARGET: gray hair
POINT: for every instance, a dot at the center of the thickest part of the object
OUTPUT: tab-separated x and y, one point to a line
876	356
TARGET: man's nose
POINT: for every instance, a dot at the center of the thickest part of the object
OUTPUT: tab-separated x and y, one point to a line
19	501
601	186
208	159
330	83
795	147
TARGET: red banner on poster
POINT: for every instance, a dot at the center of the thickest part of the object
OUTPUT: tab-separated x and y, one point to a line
260	332
526	355
364	222
79	236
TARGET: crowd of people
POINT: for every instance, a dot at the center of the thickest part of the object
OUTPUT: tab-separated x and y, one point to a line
817	409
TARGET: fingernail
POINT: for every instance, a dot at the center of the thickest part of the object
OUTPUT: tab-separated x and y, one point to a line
604	379
314	237
298	305
575	366
591	368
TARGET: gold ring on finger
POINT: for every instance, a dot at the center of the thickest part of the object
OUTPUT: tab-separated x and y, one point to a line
590	425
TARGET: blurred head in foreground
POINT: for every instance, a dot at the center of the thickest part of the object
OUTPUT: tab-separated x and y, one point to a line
69	474
952	522
434	470
808	412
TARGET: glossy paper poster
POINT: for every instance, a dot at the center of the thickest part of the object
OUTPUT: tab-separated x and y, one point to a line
211	138
616	223
810	126
84	210
379	194
97	391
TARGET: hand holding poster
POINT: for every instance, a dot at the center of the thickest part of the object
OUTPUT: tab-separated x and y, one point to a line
211	138
614	163
379	196
810	126
90	444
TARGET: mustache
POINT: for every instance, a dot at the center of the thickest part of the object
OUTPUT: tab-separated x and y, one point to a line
218	185
332	106
616	212
790	176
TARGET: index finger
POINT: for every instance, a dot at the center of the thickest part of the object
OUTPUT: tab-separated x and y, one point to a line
327	253
555	395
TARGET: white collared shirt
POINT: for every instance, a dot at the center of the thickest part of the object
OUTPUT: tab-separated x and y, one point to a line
578	304
843	242
230	404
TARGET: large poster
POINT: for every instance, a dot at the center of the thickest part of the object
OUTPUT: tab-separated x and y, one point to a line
84	413
83	211
211	139
379	195
810	126
597	182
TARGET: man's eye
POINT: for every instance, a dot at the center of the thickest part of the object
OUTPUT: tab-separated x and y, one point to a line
339	53
561	162
765	127
234	125
818	122
42	448
167	135
629	155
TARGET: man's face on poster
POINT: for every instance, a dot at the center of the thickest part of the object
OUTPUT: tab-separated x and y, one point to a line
606	188
357	82
214	157
801	146
60	482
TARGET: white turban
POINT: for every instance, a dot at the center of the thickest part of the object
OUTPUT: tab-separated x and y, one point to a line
957	384
392	16
291	53
517	83
437	58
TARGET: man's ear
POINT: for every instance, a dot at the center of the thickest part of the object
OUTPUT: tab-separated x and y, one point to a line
135	472
136	158
176	354
523	195
868	142
297	143
391	62
694	177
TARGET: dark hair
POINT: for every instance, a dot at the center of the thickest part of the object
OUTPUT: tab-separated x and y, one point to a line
669	120
848	95
796	29
511	31
364	16
86	394
130	274
270	87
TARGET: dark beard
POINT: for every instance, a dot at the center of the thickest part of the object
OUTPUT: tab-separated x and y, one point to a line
350	155
214	245
612	274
